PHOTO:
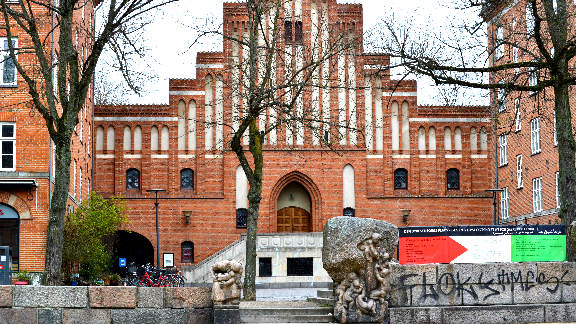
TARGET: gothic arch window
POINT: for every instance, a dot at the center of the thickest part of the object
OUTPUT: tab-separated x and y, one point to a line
186	179
187	248
401	179
453	179
132	179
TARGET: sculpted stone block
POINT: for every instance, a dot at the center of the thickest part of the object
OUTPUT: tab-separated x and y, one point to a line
357	256
227	282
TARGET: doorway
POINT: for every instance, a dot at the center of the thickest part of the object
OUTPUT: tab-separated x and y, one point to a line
294	209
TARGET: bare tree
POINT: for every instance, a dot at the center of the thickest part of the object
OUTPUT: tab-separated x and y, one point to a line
542	44
58	82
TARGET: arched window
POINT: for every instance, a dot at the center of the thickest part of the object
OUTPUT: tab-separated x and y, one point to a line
138	139
483	139
458	139
348	197
154	138
421	139
127	140
401	179
110	139
164	144
453	179
473	139
447	139
132	179
186	179
241	198
99	138
432	139
187	252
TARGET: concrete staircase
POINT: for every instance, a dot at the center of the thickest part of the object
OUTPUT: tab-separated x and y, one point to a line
323	298
285	312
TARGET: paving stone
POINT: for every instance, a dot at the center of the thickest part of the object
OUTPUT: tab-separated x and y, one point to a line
150	297
494	314
560	313
149	316
18	315
49	316
113	297
188	297
416	315
5	296
50	297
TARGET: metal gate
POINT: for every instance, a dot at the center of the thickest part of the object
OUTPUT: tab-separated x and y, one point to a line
5	265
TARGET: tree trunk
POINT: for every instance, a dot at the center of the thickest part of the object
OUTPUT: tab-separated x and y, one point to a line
566	151
254	198
57	213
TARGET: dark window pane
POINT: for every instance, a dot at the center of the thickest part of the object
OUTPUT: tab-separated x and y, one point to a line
298	32
7	130
187	252
7	147
265	267
132	179
241	216
349	211
186	179
401	179
453	179
288	32
9	72
300	266
7	161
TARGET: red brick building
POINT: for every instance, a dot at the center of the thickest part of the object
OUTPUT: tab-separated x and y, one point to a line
26	170
410	165
526	132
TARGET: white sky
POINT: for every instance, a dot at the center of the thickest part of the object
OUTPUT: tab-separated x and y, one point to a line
170	35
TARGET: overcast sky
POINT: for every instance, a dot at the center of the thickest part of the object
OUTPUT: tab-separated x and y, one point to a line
170	36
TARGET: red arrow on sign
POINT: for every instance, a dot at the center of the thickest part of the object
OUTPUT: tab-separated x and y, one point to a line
435	249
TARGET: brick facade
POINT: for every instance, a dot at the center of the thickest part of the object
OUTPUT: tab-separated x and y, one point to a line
33	150
390	122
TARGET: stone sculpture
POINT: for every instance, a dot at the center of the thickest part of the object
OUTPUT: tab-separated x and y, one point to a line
227	282
357	255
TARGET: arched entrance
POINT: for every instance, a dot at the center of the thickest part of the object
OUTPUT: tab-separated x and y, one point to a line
134	247
294	209
10	233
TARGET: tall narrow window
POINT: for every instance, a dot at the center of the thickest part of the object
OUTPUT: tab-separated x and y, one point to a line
154	139
8	66
447	139
8	146
499	42
537	194
298	33
501	99
529	20
535	135
138	139
165	143
453	179
421	139
555	129
483	139
458	139
473	139
186	179
432	139
110	138
127	140
132	179
288	32
504	206
557	190
518	117
348	197
401	179
99	138
519	180
503	145
187	252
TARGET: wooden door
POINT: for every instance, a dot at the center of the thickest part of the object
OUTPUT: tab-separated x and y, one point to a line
294	219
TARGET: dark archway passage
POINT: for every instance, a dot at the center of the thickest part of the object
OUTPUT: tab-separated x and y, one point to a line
10	233
134	247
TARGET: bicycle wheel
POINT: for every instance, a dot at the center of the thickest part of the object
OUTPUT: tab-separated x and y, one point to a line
144	282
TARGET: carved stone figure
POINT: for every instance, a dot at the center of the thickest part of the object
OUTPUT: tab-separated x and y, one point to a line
227	282
357	255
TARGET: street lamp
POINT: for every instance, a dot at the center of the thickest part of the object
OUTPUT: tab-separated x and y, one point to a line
495	203
156	191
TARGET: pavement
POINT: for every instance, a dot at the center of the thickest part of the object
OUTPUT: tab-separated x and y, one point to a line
285	294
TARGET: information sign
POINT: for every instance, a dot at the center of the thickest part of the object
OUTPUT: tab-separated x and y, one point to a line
122	262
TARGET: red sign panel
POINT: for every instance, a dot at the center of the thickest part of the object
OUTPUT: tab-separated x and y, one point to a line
432	249
1	267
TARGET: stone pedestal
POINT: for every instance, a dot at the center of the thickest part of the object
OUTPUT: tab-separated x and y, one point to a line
226	314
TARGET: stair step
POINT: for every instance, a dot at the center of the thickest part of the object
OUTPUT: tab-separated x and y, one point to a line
325	294
287	319
322	301
288	311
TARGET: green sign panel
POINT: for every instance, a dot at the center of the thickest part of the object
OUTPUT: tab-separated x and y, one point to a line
532	248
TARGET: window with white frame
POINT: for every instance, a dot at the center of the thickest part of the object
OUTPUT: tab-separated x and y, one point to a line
515	58
530	21
503	144
555	129
504	206
555	5
518	117
501	100
7	66
519	180
557	190
533	79
499	42
535	135
8	146
537	194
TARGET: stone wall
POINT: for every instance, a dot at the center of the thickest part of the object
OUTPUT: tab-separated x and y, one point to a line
104	305
484	293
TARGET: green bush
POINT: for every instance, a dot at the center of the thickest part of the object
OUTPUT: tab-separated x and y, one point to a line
89	236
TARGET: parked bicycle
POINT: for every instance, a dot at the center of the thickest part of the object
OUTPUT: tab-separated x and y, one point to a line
150	276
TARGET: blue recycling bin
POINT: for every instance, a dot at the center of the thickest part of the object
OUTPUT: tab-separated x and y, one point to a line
5	278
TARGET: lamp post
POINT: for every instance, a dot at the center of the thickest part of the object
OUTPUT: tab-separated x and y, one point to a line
156	191
495	203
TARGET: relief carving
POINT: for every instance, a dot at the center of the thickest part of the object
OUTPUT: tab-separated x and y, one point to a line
227	282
